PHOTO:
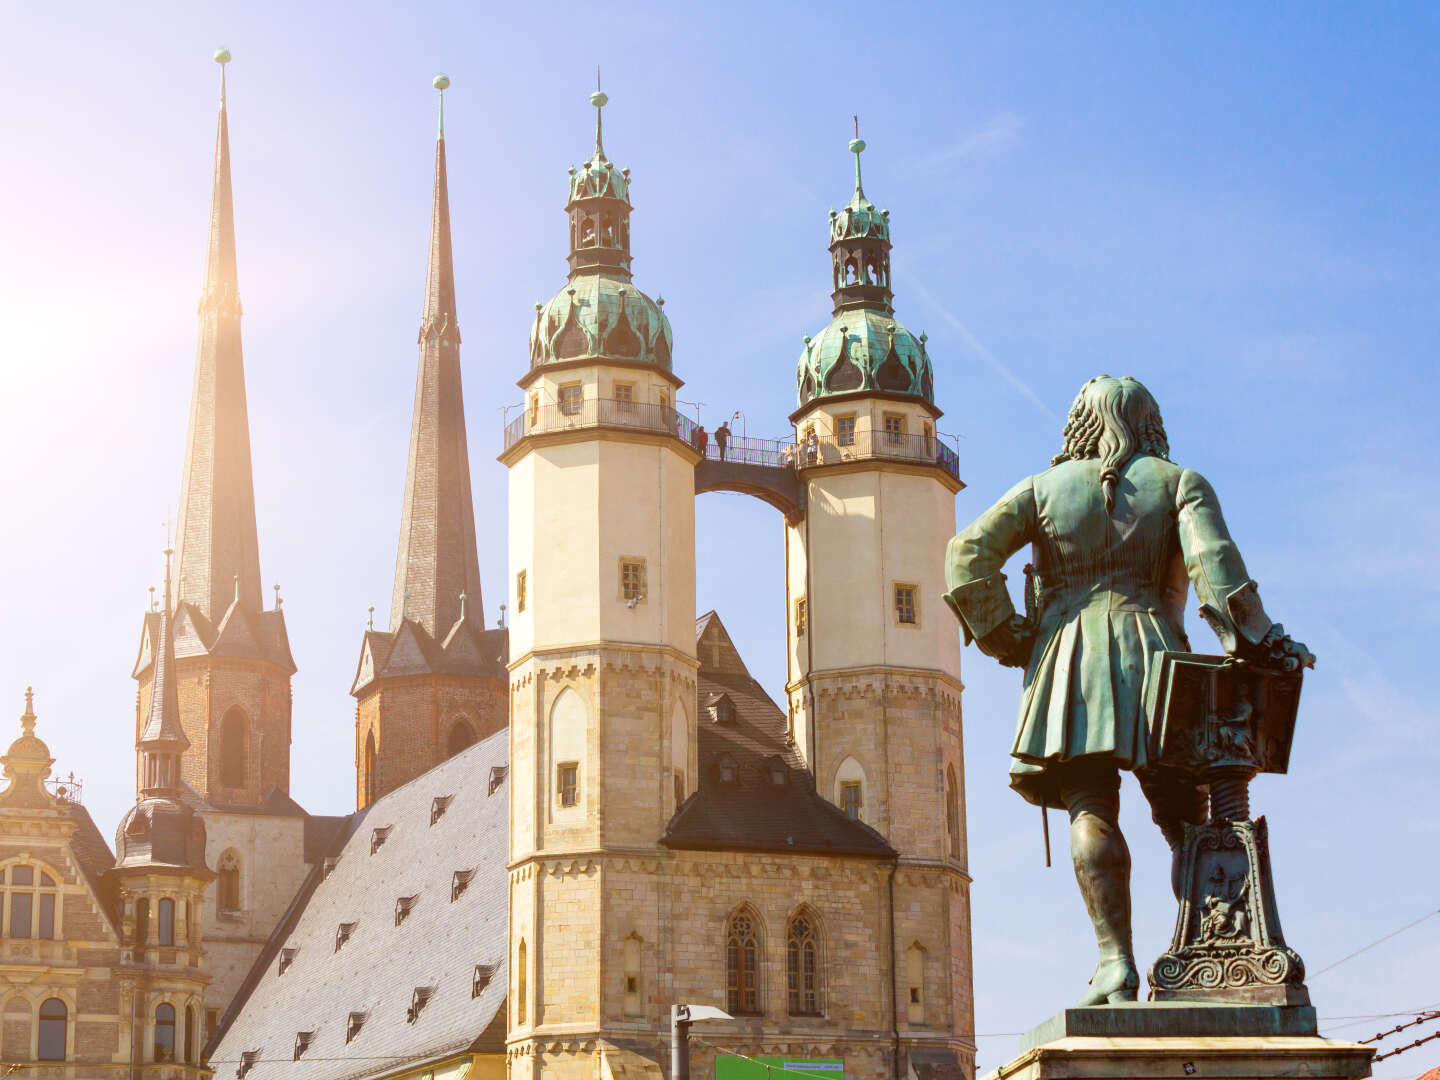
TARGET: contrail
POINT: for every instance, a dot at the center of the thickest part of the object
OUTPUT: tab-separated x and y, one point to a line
978	346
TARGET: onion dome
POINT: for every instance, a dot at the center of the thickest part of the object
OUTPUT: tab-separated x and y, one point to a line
600	315
864	349
27	764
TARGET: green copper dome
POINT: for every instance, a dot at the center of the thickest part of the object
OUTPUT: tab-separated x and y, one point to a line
600	314
864	349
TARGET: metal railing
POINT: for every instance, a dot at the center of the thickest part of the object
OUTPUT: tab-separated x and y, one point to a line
600	412
830	449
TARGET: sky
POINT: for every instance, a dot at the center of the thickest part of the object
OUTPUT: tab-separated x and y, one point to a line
1234	203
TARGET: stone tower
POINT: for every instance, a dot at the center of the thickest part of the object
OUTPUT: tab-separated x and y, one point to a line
874	688
603	668
160	878
434	681
232	678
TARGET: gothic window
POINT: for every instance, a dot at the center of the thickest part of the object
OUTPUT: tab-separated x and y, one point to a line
915	984
462	735
233	737
850	789
142	922
190	1034
29	897
227	882
742	963
371	787
165	922
164	1032
607	231
802	966
53	1016
952	812
587	233
849	271
520	977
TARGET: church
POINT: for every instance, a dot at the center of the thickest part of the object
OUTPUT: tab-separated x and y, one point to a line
562	826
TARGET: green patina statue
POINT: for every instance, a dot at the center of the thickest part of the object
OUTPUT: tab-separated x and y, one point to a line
1117	531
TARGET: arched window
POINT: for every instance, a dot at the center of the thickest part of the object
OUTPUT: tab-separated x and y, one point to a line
850	789
370	786
952	811
233	735
462	735
51	1044
29	900
165	922
164	1032
227	882
191	1034
802	965
520	983
742	963
142	922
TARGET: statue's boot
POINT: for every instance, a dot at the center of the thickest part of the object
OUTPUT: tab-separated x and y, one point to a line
1102	867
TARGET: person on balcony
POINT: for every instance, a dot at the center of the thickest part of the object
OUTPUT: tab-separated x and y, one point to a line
722	438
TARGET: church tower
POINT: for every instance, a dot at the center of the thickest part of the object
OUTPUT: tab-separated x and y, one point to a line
434	681
874	691
603	668
233	656
160	878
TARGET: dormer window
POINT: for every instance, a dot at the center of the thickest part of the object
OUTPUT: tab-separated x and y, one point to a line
303	1039
247	1062
287	957
483	974
378	838
497	777
438	806
418	1000
342	935
729	769
722	709
403	906
459	882
779	772
354	1024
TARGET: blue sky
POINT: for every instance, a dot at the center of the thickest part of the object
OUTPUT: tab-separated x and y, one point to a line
1235	205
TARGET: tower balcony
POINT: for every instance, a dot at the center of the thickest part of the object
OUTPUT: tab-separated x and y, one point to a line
600	413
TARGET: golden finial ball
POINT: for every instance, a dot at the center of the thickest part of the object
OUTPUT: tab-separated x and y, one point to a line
441	81
599	98
222	55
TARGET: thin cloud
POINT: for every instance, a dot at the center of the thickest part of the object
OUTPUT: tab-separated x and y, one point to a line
978	347
999	135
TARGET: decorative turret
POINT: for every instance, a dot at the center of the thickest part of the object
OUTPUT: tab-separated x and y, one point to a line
600	315
864	349
27	764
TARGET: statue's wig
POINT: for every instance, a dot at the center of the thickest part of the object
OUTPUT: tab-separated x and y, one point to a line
1113	420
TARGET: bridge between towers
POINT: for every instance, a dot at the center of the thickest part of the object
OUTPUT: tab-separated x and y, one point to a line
764	468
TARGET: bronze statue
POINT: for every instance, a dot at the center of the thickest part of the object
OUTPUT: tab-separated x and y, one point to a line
1118	532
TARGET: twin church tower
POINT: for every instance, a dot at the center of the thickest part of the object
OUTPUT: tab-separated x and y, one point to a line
643	866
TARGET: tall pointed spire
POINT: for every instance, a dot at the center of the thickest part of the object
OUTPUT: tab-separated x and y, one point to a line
162	739
217	537
437	559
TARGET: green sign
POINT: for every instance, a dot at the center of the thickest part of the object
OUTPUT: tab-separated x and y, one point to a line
775	1068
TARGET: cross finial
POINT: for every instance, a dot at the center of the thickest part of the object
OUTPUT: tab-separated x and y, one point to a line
278	601
370	623
152	597
29	701
441	82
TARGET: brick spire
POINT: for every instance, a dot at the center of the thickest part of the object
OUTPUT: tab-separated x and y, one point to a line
437	559
217	538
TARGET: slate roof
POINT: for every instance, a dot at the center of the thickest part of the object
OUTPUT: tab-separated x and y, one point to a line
466	649
754	813
378	969
240	633
95	858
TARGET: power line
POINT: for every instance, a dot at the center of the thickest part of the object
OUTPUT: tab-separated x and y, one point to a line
1424	1018
1410	1046
1377	941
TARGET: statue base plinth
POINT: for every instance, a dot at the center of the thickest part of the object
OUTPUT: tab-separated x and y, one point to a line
1170	1040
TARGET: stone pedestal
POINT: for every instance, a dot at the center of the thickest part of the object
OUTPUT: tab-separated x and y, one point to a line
1170	1040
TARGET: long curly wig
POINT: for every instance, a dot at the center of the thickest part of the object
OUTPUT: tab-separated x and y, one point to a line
1113	420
